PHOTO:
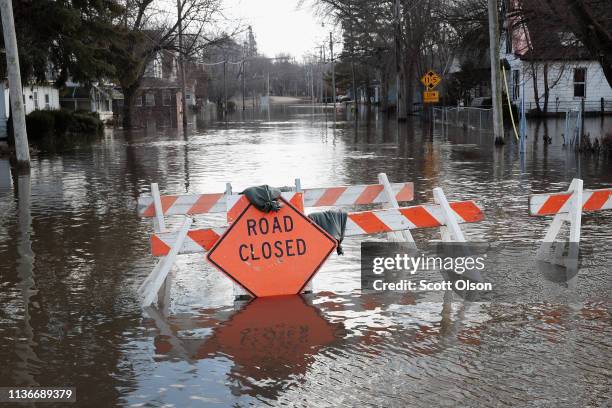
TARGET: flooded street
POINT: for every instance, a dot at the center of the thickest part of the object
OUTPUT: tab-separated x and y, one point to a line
73	252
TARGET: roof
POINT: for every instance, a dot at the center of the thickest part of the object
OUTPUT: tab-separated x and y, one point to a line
158	83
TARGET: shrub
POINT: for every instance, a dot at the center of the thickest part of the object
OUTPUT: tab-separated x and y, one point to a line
63	121
40	124
44	124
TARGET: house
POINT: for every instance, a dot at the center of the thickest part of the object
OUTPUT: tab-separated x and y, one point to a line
159	100
159	97
92	98
35	97
548	66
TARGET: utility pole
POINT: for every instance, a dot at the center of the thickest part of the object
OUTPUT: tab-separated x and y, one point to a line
312	88
401	112
268	90
243	87
224	90
14	77
496	93
322	81
179	9
320	65
353	66
331	50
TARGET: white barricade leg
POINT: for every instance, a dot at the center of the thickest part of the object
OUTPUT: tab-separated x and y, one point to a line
543	253
163	295
237	290
574	218
398	236
158	221
453	232
152	284
298	189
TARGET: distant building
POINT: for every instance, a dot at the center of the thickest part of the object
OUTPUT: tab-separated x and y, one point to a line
91	98
538	52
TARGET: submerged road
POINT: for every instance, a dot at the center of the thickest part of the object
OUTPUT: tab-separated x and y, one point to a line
73	251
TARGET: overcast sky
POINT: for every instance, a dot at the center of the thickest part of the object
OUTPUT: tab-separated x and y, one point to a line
280	26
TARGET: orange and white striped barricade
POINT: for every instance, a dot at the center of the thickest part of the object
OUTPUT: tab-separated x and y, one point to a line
445	214
158	207
566	206
442	214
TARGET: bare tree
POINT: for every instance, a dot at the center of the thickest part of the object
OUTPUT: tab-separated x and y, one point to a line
150	26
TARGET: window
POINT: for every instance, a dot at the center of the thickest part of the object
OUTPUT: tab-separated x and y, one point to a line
139	100
579	82
35	100
47	104
150	99
167	97
516	84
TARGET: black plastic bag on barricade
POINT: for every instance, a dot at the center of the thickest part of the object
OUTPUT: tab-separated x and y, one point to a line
264	198
334	223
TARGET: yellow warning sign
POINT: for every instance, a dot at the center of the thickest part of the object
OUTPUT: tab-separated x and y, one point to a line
431	96
430	79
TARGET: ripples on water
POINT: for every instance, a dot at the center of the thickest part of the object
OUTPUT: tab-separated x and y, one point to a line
73	251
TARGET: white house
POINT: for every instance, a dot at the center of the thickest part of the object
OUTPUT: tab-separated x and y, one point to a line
93	98
557	64
35	97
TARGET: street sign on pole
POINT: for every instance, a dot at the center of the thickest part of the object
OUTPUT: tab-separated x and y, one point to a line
430	79
275	253
431	97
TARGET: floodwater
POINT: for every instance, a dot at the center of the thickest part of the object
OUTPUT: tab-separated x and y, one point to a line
73	251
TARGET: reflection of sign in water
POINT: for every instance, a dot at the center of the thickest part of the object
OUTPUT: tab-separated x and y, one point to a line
274	253
273	337
272	332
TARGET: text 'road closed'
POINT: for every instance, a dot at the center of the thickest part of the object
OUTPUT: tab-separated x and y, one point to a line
272	253
272	248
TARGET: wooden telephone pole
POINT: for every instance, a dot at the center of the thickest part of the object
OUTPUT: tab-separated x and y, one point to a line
401	111
496	92
331	50
181	61
14	77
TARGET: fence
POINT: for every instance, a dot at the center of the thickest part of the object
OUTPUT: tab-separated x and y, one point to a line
555	106
466	117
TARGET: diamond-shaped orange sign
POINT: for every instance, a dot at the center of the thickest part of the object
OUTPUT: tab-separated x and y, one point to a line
273	253
430	79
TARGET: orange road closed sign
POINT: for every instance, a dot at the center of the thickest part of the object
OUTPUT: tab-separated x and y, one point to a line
431	96
273	253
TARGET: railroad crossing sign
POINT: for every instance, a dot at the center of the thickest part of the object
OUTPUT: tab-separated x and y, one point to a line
431	96
273	253
430	80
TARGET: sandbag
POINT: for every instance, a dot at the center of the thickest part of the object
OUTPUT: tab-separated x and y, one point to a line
264	198
334	223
